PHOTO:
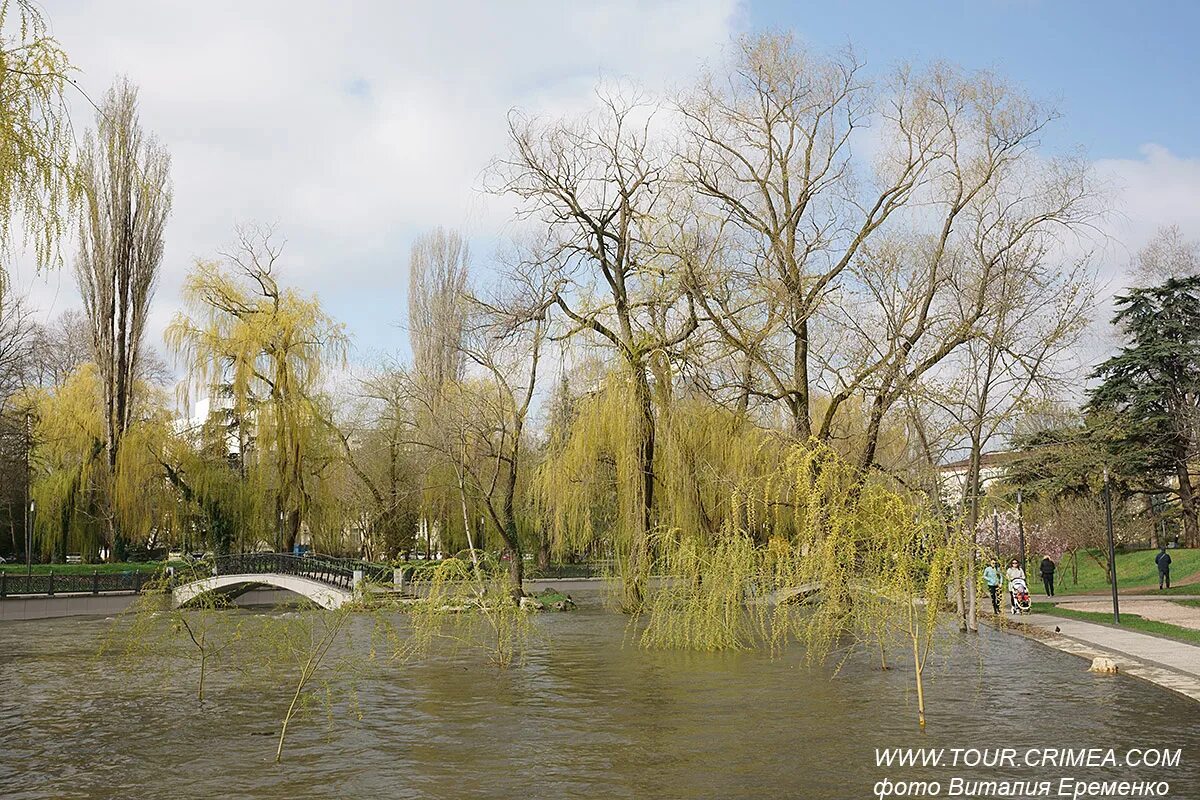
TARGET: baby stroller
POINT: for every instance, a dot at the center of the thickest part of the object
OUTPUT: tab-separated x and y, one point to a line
1018	593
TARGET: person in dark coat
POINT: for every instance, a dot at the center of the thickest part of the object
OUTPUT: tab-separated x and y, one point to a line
1163	560
1047	570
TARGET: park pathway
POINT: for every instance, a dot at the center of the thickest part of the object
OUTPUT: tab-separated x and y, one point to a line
1171	664
1158	609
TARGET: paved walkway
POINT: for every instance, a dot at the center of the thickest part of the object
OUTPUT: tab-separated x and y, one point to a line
1156	609
1171	664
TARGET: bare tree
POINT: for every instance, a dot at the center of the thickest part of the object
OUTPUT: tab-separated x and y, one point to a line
1168	255
1037	314
18	340
18	356
596	185
769	146
437	285
61	347
127	197
849	281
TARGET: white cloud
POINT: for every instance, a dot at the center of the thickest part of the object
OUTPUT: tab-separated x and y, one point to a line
355	126
1155	190
1146	193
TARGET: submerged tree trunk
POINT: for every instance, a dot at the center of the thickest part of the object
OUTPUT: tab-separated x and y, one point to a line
639	546
960	608
972	486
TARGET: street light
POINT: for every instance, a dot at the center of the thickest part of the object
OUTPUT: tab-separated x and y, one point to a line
1112	549
28	499
1021	528
29	539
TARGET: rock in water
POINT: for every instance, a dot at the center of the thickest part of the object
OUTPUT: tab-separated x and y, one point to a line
532	604
1103	665
556	600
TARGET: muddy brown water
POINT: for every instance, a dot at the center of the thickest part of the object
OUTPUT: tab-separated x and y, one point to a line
587	715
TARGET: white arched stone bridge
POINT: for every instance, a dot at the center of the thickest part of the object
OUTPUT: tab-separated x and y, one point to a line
325	584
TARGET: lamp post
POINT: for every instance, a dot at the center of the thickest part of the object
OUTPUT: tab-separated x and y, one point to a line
29	538
28	499
996	532
1021	528
1112	548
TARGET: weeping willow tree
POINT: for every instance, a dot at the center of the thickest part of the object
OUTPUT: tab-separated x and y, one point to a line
751	524
67	461
269	347
74	489
598	185
38	182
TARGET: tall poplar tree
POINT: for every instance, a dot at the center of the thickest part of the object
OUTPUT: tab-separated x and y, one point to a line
126	199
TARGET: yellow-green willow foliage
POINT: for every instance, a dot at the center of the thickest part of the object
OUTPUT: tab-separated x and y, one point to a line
38	183
73	487
68	465
146	505
708	467
270	348
222	500
468	603
586	486
749	523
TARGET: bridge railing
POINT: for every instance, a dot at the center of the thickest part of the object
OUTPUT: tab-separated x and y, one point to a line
284	564
376	573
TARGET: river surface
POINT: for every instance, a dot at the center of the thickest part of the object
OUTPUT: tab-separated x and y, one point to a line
587	715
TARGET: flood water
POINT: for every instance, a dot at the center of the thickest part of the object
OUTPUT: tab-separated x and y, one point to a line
587	715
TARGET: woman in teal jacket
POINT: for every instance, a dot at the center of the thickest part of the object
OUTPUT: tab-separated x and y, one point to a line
991	576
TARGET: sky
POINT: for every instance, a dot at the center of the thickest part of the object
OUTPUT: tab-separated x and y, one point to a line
354	127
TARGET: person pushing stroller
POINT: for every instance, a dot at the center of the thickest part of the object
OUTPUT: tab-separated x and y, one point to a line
1018	588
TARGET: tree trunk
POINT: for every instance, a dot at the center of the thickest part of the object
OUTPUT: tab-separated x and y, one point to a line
639	548
874	424
516	573
1187	502
801	419
512	541
960	608
292	531
972	486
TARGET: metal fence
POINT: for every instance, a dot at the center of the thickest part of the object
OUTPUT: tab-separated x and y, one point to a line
51	583
326	569
591	569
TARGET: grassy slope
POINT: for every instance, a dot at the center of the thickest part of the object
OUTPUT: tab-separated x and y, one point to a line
1131	621
1134	570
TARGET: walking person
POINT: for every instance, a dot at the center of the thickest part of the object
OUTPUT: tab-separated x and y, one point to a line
991	577
1047	569
1163	560
1016	583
